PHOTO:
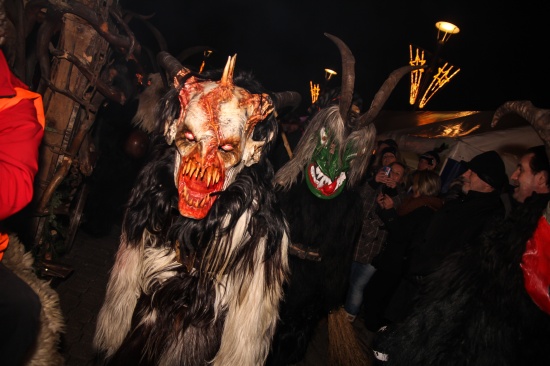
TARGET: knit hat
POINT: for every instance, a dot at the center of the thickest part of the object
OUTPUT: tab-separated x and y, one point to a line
389	142
490	168
389	149
429	156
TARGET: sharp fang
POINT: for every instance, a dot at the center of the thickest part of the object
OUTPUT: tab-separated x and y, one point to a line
203	201
208	177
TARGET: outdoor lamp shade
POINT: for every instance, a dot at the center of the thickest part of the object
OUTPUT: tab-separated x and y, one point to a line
445	30
426	82
329	73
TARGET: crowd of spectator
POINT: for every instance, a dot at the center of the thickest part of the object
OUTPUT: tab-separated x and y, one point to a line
412	232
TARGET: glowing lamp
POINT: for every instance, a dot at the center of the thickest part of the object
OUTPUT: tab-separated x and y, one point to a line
329	74
445	30
427	81
205	54
314	89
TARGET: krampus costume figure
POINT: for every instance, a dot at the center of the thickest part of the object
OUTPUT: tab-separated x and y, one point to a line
203	255
489	304
324	213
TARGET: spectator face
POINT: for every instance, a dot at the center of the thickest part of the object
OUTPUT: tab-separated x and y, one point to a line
472	182
424	164
397	173
524	180
388	158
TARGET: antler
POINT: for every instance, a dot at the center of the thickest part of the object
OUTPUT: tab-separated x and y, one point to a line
537	117
383	94
348	83
173	67
348	76
286	99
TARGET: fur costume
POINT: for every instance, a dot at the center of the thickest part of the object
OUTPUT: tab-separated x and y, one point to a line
52	324
317	193
475	310
203	255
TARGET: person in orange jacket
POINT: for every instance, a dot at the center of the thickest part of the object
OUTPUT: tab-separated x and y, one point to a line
21	131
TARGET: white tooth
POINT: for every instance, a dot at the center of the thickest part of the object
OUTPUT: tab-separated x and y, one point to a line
318	173
340	180
312	173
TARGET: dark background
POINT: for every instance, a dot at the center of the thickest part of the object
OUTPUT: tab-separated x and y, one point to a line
500	50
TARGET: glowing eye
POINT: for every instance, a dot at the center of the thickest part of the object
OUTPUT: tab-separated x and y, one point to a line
189	136
226	147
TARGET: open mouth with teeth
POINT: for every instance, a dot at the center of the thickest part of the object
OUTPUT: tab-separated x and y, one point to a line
321	184
196	183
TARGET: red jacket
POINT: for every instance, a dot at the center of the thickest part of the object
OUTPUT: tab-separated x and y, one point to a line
21	130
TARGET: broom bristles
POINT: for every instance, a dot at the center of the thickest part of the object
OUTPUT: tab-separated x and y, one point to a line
343	346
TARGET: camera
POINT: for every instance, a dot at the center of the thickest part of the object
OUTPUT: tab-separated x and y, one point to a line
386	170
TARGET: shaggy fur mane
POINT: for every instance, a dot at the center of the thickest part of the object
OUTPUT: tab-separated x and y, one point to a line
182	289
52	323
360	141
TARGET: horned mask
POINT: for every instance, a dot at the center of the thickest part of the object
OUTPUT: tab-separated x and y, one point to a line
336	146
213	137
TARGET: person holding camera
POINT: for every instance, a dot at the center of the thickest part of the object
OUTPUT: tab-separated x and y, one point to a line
376	193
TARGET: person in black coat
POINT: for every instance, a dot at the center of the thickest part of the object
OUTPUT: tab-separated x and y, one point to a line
458	221
405	225
477	308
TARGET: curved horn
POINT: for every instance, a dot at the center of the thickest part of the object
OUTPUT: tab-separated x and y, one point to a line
286	99
348	76
172	66
537	117
227	77
383	94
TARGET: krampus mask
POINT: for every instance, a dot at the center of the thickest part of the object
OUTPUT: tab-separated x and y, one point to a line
337	144
332	157
203	255
213	137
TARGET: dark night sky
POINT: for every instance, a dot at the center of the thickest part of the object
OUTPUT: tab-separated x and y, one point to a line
500	51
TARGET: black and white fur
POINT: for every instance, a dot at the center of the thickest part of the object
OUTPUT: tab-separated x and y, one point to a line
218	307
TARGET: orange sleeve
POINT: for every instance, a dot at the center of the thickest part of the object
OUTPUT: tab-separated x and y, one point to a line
20	137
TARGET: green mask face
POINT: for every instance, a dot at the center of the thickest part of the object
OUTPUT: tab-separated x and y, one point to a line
326	173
